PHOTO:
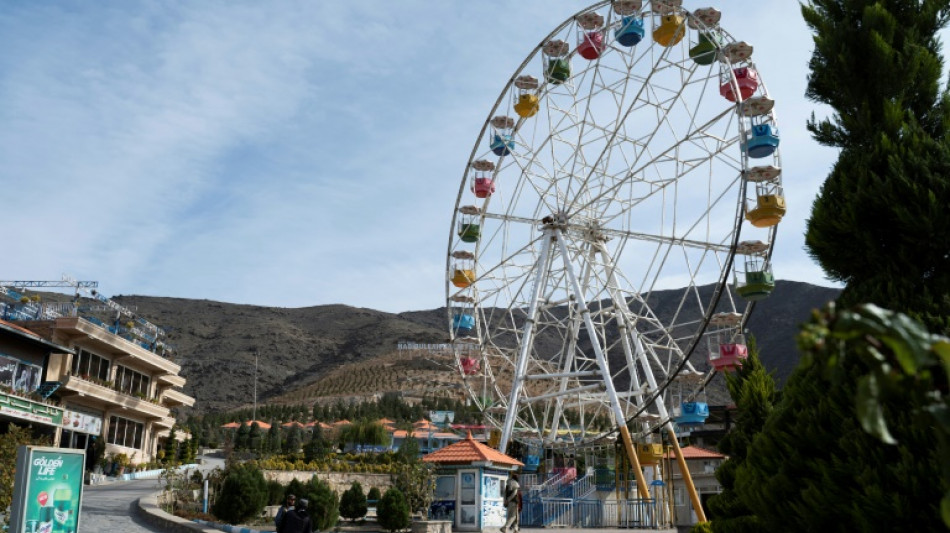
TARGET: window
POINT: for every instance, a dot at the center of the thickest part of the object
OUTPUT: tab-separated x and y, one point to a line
125	432
131	382
89	365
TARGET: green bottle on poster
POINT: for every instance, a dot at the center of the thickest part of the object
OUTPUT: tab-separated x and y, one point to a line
45	524
63	510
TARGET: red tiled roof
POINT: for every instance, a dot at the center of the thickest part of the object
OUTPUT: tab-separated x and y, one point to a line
293	423
385	421
470	451
343	422
235	425
20	328
695	452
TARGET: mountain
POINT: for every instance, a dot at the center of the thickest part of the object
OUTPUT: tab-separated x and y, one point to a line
327	352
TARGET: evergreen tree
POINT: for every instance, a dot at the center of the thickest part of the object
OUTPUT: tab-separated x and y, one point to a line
254	437
353	502
243	495
272	442
392	511
324	504
814	468
294	440
241	437
753	391
171	448
881	220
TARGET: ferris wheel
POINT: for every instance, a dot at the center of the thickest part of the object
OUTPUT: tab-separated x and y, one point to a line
626	176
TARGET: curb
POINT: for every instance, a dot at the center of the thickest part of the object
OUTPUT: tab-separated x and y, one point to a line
149	510
228	528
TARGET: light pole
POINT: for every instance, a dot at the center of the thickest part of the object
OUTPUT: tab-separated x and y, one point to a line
254	415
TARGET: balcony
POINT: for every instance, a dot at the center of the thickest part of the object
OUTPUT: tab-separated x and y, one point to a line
127	351
109	399
176	398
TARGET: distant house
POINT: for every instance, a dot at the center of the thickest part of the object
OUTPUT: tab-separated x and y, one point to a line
428	440
702	464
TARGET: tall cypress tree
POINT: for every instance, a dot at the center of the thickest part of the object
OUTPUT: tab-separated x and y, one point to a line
881	221
753	390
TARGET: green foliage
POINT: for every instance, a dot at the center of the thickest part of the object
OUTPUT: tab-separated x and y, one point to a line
171	448
275	492
374	494
416	482
243	494
324	503
294	440
875	224
316	449
254	438
409	450
753	390
353	502
365	432
9	442
815	468
241	438
702	527
392	511
272	442
295	487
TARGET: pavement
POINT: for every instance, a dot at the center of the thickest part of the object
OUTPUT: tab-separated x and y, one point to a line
110	507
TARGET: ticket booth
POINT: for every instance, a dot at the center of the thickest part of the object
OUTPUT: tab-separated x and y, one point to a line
470	485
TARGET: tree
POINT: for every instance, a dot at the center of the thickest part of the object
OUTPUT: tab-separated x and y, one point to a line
293	442
243	494
408	451
240	438
171	447
814	467
272	442
254	437
9	443
876	223
392	511
753	391
363	433
353	502
416	482
324	504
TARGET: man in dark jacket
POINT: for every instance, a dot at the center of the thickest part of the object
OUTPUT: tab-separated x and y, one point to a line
288	505
296	520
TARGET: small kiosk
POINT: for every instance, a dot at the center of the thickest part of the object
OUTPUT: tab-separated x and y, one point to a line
470	484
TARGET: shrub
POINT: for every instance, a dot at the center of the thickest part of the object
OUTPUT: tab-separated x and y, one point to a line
243	494
275	492
324	504
374	495
9	442
353	502
392	512
702	527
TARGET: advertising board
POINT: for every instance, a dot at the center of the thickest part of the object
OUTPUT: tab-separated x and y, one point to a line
47	490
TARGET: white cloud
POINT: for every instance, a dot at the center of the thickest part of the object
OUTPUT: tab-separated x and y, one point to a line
290	154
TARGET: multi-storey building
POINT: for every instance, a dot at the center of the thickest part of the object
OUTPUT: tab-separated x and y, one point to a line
109	386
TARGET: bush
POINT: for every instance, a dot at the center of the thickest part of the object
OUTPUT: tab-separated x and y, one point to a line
275	493
702	527
9	442
353	502
243	494
392	511
324	504
374	495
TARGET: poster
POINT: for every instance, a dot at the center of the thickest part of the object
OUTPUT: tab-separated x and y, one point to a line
27	377
7	371
81	422
47	491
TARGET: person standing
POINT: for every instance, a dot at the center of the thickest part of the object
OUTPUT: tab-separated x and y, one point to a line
296	520
513	505
288	505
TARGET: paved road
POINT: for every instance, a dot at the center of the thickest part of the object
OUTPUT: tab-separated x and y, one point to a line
110	507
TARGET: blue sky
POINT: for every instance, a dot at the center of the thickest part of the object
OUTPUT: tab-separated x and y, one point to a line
291	153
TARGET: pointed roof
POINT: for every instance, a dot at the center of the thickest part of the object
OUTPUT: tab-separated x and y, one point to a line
235	425
470	451
385	421
293	423
343	422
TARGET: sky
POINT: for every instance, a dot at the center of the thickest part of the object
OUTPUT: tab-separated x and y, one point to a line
292	153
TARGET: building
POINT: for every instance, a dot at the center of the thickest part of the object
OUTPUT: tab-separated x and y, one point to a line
702	464
110	385
23	357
